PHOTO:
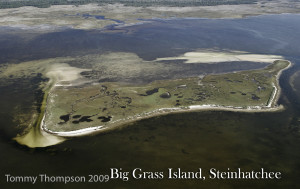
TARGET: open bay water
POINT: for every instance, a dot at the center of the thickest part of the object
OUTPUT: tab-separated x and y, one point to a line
204	139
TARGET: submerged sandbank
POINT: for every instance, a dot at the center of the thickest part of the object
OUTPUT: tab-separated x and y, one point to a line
37	137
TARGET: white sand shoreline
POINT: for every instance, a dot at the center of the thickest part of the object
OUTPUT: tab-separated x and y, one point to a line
163	111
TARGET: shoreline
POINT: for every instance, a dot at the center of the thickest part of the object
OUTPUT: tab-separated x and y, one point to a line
277	81
165	111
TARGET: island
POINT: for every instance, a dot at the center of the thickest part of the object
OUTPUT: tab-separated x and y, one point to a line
74	108
96	93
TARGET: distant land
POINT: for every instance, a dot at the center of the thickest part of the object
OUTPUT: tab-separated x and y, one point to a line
52	15
177	3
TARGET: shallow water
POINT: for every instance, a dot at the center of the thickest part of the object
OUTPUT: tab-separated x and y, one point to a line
187	140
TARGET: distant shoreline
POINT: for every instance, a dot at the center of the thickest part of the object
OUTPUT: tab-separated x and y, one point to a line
70	16
164	111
